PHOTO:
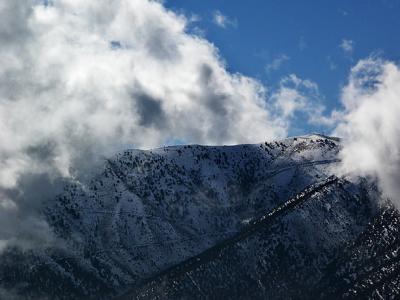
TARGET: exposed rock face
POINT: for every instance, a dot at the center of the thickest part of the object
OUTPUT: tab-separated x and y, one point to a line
149	211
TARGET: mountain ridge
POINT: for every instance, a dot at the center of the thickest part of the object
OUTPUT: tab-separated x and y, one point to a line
149	210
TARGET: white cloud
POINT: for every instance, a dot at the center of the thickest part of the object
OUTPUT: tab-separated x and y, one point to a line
297	96
370	124
347	46
293	95
80	79
222	20
276	63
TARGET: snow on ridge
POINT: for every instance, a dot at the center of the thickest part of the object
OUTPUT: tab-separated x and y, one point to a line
150	209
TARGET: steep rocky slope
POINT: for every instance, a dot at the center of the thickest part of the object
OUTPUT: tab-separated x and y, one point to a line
370	266
283	257
149	211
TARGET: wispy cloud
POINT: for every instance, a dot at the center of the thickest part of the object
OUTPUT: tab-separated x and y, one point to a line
222	20
276	63
331	63
297	96
343	12
302	43
347	46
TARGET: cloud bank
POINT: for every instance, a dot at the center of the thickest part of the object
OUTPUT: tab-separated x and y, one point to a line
370	126
80	79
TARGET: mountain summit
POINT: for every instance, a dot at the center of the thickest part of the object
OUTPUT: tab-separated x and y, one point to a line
263	220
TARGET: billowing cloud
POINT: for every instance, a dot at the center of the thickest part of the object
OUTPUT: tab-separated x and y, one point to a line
80	79
370	124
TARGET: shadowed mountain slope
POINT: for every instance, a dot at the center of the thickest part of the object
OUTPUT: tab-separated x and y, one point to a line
148	213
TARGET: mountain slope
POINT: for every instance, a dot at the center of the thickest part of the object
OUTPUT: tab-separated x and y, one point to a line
148	211
270	253
370	266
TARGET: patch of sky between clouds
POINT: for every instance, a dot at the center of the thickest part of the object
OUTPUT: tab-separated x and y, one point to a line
48	3
115	45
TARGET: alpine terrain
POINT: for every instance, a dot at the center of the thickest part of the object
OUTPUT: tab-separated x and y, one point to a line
265	221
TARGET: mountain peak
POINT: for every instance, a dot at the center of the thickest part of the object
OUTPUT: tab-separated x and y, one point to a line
149	211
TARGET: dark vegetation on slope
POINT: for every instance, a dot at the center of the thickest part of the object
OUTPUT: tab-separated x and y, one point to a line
251	264
150	211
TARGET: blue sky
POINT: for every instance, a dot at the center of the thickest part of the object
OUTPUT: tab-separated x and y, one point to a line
316	40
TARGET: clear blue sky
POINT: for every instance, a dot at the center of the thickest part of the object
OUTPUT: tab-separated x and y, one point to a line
316	40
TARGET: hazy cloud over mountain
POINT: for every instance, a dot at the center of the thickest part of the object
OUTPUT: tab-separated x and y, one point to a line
370	124
81	79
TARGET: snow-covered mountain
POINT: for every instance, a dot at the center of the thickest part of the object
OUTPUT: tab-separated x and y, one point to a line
261	220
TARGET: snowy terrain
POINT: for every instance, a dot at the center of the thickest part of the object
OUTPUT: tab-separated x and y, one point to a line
149	211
